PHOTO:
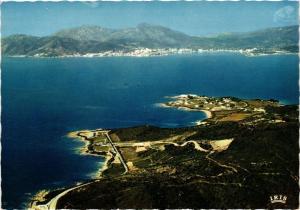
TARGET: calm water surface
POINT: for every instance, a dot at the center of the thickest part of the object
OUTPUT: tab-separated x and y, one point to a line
44	99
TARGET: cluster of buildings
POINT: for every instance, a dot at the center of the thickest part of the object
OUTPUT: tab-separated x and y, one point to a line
191	101
146	52
138	52
207	103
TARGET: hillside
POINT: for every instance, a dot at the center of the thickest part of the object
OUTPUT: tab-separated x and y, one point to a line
144	35
95	39
284	38
244	161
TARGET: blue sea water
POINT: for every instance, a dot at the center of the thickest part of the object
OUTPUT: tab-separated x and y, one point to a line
45	98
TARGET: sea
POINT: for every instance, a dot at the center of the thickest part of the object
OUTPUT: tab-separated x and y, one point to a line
45	98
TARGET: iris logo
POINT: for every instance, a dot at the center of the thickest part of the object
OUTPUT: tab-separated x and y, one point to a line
278	199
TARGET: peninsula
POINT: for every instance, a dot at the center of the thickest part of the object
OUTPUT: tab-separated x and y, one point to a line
245	152
228	109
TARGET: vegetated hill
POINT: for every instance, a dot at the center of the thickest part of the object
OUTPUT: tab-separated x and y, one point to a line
261	161
144	35
86	32
93	39
19	44
265	158
284	38
52	46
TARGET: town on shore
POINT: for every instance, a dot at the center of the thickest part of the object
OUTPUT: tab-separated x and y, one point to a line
150	52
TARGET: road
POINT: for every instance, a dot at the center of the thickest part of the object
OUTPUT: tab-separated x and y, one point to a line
117	152
153	143
53	202
105	132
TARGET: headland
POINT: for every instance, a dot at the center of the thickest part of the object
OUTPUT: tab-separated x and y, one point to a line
244	151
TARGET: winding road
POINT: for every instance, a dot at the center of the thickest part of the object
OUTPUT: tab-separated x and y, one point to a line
53	202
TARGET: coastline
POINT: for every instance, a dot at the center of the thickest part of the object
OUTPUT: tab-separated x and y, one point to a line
81	150
108	156
93	137
84	150
245	52
208	116
207	113
40	196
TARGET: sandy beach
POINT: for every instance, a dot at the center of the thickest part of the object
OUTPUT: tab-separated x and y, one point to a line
207	113
163	105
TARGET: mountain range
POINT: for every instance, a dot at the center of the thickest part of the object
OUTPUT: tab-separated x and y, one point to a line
95	39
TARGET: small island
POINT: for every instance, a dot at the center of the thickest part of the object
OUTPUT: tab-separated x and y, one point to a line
245	151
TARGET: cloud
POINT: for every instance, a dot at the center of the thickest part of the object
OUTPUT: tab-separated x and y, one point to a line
285	14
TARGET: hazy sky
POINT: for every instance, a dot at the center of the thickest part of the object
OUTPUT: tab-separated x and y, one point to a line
194	18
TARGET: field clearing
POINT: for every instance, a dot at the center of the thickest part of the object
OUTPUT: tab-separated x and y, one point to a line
260	103
235	117
129	153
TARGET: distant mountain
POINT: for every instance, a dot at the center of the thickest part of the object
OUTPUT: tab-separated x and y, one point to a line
52	46
144	35
282	38
94	39
86	33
